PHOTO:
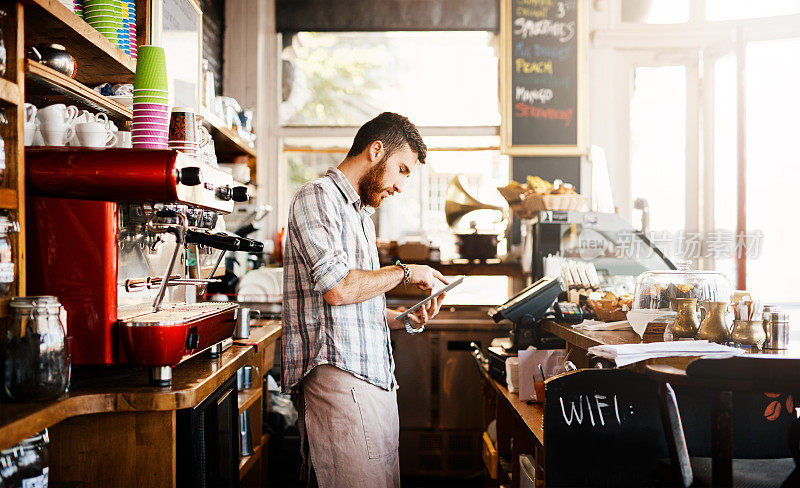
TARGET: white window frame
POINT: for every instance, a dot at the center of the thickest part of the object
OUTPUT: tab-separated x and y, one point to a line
616	48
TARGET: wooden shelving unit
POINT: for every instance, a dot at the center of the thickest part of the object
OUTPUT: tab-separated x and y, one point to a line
45	86
12	95
8	199
97	59
9	92
247	462
226	141
248	397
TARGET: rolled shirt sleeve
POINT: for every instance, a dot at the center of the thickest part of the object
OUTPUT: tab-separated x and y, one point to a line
317	231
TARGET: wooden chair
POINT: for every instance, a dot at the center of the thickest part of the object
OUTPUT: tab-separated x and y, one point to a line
765	422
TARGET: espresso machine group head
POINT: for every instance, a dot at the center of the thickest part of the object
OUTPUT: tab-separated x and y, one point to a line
109	234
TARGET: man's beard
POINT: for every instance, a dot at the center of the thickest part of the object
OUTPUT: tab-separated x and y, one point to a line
370	186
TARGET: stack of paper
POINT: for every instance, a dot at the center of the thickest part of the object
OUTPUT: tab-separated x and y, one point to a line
624	354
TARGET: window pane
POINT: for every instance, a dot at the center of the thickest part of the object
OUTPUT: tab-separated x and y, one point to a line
306	166
419	209
434	78
748	9
658	145
772	71
725	164
655	11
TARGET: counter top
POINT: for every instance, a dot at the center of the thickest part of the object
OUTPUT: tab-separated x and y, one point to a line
585	339
120	390
532	415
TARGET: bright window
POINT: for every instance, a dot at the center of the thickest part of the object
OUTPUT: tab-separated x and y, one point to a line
655	11
658	144
435	78
748	9
725	159
772	168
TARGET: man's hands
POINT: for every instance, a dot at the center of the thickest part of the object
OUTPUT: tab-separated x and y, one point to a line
425	277
423	314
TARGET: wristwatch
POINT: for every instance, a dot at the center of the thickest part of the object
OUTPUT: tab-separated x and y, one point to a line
406	272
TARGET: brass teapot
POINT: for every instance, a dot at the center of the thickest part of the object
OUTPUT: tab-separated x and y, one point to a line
714	327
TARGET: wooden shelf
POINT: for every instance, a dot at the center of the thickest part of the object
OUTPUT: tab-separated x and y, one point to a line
492	267
9	92
46	86
247	462
227	142
97	59
8	198
248	397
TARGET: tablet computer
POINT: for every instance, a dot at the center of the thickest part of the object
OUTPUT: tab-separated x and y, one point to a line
435	294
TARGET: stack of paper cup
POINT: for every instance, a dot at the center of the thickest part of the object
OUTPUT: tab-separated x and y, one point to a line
150	114
113	19
77	7
132	26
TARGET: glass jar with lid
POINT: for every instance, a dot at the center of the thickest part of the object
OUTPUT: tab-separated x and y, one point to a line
7	267
659	293
36	363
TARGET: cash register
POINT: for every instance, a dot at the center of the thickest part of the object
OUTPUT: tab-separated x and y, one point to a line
526	310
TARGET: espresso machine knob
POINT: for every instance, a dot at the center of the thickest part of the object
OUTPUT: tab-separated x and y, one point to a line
190	176
224	193
240	194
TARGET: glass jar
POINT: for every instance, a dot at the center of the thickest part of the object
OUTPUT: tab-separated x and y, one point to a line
36	363
7	267
656	293
26	464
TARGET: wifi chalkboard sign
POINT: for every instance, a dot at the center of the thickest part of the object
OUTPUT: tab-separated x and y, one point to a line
541	42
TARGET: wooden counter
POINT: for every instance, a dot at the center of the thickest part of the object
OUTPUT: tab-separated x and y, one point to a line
124	423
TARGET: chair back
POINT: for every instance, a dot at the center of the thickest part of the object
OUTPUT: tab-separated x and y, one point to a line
602	427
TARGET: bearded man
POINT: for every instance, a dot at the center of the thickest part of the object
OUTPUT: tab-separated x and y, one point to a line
336	351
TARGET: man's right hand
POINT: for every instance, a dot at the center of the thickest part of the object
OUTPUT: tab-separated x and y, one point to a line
424	276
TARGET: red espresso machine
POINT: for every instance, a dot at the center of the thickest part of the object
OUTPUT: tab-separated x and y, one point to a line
108	233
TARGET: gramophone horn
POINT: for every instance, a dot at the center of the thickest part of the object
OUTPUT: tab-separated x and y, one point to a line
458	203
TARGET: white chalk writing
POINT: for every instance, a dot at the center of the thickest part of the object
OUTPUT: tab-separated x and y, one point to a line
542	95
525	28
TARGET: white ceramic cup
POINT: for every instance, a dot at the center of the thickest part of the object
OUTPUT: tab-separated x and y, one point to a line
56	134
101	118
94	134
57	113
123	139
29	132
30	113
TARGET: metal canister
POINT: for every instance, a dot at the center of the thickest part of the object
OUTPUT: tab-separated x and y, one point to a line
767	318
779	331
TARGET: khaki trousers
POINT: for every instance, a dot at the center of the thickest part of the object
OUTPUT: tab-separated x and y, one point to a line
352	430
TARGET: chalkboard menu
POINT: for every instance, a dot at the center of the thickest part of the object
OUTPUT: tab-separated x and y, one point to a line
541	70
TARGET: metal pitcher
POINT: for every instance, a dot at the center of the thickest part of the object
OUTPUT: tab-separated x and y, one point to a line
714	327
686	323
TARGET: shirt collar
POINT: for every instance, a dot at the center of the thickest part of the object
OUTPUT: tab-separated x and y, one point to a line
350	195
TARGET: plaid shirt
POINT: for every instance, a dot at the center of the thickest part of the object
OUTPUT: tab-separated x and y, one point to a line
329	233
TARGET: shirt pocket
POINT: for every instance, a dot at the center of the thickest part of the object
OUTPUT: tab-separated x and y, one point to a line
379	426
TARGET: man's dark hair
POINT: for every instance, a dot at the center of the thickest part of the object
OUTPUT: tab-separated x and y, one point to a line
393	130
